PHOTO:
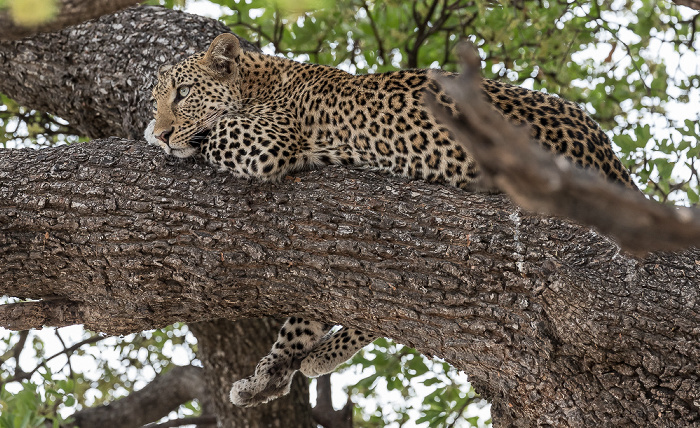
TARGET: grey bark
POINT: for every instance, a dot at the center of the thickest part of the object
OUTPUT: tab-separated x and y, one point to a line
98	76
68	12
552	323
104	69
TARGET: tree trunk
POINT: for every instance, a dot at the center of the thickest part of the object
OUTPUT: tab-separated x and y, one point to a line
552	323
109	65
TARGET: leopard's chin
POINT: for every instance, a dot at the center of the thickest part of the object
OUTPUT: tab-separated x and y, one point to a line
183	153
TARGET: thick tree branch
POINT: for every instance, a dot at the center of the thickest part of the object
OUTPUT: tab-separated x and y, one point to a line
28	315
69	12
163	395
539	182
108	66
550	321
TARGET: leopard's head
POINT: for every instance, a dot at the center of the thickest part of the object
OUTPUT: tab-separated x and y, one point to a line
191	96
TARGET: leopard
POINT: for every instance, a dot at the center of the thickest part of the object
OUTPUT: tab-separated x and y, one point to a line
262	117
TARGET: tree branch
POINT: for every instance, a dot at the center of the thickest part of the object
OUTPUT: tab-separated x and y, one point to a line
693	4
67	351
28	315
538	181
164	394
544	315
69	12
324	414
108	65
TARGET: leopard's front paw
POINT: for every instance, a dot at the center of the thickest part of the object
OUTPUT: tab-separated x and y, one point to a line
254	390
272	379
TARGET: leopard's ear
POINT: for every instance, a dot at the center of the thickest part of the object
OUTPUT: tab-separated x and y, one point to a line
222	56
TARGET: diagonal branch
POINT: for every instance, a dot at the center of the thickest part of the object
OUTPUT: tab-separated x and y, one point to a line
68	12
154	401
108	67
539	182
66	351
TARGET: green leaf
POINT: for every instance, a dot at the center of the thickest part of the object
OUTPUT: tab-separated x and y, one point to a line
693	196
431	381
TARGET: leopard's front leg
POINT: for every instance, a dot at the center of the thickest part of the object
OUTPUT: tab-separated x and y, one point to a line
267	146
273	374
334	349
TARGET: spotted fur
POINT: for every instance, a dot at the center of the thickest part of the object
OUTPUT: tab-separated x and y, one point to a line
263	117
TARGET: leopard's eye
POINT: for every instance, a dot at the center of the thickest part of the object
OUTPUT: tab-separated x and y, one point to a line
183	91
154	104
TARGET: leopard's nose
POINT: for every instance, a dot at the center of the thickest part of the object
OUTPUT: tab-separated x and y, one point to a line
165	135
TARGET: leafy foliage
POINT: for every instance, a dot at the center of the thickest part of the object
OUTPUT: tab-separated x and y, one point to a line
30	12
408	376
93	370
29	408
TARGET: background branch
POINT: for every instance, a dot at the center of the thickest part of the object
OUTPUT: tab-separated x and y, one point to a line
154	401
324	414
68	12
539	182
693	4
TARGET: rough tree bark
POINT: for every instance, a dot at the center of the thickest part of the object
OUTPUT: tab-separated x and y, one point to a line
109	66
68	12
552	323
